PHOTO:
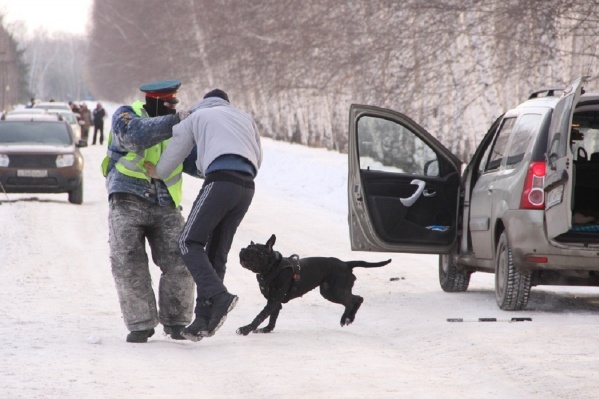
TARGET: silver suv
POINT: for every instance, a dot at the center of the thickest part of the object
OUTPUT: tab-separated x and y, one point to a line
526	207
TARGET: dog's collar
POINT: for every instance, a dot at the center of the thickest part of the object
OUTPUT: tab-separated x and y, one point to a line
273	270
276	265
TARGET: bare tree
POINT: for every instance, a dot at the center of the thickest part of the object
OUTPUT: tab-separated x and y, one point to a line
452	65
13	71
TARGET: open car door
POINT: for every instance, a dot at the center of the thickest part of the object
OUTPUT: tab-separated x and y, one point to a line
403	185
559	180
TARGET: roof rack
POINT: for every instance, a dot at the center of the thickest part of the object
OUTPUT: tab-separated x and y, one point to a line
549	92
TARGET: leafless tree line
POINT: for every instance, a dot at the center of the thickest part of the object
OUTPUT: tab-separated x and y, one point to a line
45	66
452	65
13	71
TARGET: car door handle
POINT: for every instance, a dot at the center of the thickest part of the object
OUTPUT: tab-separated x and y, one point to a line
490	189
410	200
429	193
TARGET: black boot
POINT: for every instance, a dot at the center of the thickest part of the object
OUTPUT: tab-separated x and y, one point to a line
140	336
196	330
174	332
222	304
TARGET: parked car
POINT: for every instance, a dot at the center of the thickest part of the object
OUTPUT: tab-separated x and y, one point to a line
71	118
48	105
526	206
23	111
39	155
23	116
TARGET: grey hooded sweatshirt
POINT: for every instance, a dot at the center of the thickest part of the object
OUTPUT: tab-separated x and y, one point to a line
217	129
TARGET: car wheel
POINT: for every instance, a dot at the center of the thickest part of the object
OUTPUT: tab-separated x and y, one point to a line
512	288
450	278
76	196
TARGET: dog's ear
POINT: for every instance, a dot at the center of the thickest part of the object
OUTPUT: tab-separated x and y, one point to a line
252	243
271	242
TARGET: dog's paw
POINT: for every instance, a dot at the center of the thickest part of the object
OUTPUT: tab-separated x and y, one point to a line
263	330
245	330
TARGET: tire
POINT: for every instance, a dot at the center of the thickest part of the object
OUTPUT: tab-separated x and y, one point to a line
76	196
512	288
450	278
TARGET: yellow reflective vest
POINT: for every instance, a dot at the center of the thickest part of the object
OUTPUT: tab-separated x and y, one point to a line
132	164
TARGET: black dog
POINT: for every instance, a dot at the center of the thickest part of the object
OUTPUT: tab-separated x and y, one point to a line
283	279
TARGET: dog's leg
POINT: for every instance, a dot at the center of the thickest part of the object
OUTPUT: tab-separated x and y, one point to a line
341	293
350	311
271	308
271	322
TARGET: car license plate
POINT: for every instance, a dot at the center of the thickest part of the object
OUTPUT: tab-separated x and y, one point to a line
32	173
555	196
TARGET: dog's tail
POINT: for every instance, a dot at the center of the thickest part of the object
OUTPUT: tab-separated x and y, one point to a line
361	263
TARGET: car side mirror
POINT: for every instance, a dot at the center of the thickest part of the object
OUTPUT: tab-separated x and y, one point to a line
431	168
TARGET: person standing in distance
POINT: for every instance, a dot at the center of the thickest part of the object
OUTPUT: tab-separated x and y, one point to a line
98	118
229	155
143	209
86	118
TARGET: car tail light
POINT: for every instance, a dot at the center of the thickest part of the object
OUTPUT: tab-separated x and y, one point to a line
536	259
533	196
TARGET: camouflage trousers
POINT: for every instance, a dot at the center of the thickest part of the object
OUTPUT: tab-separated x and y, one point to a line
133	221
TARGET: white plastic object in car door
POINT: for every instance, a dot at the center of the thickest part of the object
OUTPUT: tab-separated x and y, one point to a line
411	200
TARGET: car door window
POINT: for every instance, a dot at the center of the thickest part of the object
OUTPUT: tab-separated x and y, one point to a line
499	149
385	145
522	132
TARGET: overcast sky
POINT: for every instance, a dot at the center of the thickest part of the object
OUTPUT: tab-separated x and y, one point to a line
54	16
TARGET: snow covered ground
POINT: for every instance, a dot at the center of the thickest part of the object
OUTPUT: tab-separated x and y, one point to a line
62	336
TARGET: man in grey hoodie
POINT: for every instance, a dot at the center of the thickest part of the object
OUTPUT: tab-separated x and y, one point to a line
229	155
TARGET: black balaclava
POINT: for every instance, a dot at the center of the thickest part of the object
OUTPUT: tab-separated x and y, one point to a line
155	107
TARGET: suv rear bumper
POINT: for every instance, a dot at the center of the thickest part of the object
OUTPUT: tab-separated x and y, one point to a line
528	236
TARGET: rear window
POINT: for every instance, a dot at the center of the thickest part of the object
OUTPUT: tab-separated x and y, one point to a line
25	132
499	150
523	131
587	124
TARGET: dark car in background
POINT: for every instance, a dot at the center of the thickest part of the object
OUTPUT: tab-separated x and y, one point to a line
38	154
525	208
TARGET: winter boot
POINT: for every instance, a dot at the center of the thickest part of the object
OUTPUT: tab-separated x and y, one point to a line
174	332
140	336
196	330
222	304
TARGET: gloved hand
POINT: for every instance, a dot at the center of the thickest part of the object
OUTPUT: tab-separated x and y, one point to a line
183	114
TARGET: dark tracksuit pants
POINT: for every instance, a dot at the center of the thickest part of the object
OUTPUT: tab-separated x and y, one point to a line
208	234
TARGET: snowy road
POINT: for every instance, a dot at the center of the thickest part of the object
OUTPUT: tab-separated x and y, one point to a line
61	333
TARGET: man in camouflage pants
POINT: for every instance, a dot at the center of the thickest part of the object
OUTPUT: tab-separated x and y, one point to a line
143	209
